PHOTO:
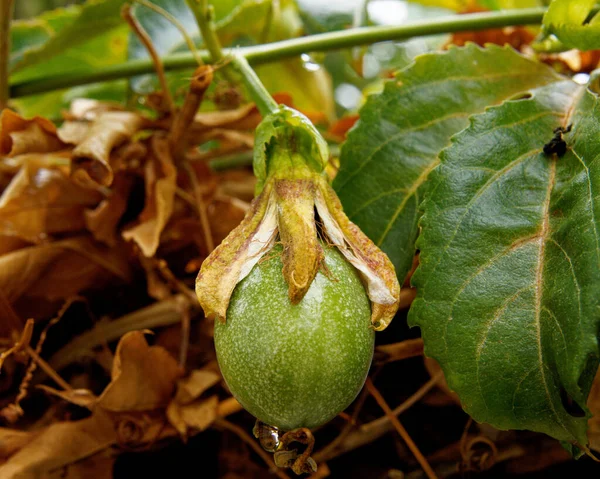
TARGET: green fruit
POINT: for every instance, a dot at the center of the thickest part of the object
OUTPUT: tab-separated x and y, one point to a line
296	365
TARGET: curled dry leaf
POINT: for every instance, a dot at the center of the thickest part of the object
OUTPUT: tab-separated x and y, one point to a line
18	135
94	146
143	376
42	200
161	183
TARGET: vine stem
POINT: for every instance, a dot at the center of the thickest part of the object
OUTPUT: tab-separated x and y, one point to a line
272	52
6	13
203	12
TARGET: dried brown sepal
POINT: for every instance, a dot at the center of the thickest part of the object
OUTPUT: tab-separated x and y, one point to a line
375	267
235	257
302	253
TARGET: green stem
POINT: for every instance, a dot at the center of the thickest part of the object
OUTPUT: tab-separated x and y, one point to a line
263	99
204	13
271	52
6	13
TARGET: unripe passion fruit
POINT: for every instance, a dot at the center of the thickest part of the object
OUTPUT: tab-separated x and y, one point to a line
296	365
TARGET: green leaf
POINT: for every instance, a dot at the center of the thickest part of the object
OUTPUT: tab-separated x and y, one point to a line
95	18
568	20
509	277
387	158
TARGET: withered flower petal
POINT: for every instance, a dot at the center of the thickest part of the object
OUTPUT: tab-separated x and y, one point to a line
375	267
235	257
302	253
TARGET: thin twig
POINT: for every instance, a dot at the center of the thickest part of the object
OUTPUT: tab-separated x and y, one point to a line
141	33
6	13
185	336
373	430
410	401
244	436
177	24
201	207
164	313
44	366
400	429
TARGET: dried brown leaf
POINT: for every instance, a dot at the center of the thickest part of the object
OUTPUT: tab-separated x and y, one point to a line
59	270
143	377
104	134
161	183
102	221
18	135
98	466
12	440
59	445
184	412
194	385
42	200
197	415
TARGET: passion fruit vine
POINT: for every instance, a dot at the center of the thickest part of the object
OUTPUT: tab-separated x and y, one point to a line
296	365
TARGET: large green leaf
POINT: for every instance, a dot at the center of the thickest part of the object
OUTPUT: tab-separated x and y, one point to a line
509	277
388	156
568	20
95	18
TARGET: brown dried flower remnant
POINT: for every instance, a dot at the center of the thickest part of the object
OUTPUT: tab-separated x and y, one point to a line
296	206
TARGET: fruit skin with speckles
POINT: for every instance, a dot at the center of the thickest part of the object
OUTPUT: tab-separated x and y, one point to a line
296	365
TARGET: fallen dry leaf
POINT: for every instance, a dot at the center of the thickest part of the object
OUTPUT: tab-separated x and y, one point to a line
42	201
59	445
161	183
102	221
19	136
59	270
184	412
143	376
94	146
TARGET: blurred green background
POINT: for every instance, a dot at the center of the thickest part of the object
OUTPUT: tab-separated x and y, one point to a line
31	8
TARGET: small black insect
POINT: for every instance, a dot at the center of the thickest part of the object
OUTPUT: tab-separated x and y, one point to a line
557	144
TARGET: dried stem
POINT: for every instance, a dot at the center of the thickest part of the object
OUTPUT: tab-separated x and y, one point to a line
6	13
201	206
201	80
349	440
400	429
138	29
244	436
398	351
410	401
164	313
44	366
